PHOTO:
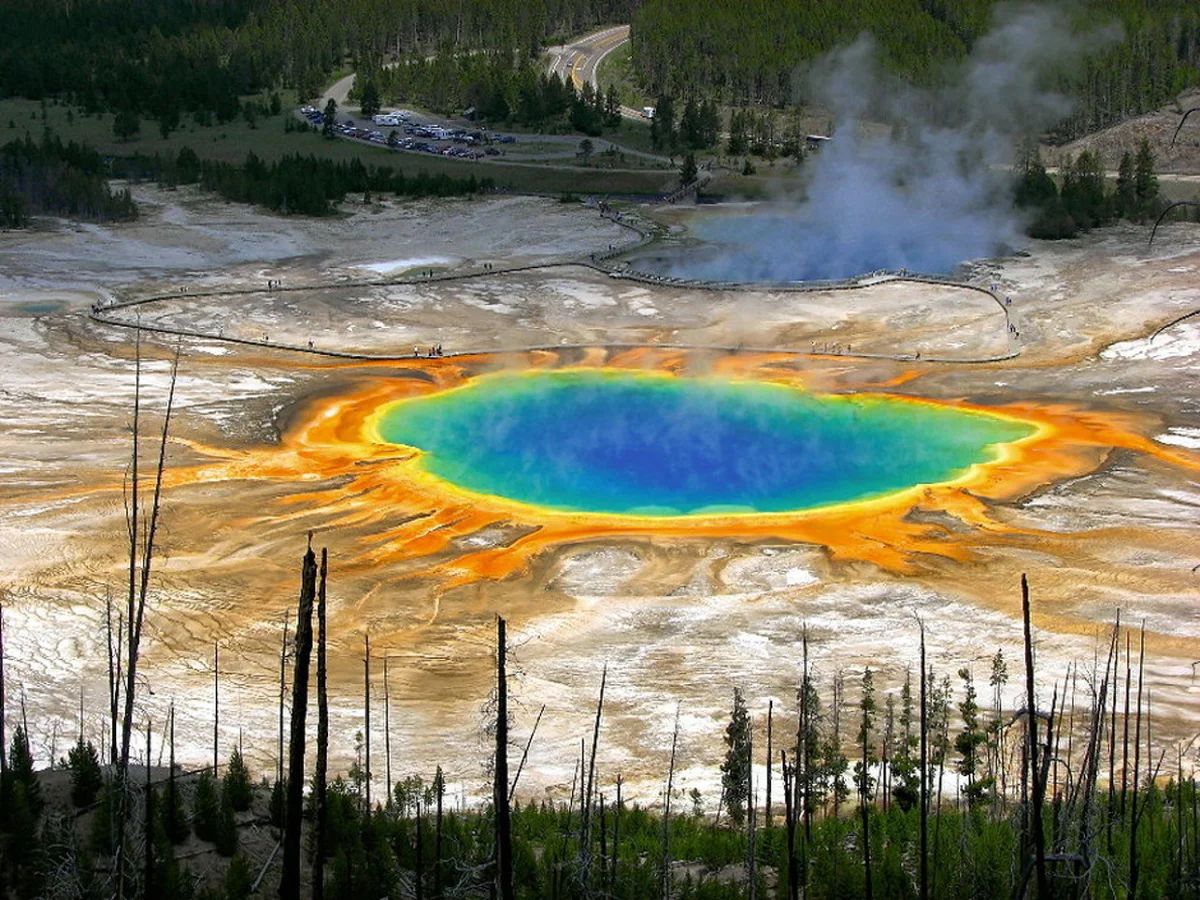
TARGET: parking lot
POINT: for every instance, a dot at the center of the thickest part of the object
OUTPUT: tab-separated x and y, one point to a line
400	131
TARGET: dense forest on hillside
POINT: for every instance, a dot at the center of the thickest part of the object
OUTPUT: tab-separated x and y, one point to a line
170	58
748	52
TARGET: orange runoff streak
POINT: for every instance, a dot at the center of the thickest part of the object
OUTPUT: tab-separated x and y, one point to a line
406	514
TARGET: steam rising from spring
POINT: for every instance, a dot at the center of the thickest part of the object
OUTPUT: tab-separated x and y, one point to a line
929	194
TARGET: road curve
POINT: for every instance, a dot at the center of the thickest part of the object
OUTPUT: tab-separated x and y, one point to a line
580	60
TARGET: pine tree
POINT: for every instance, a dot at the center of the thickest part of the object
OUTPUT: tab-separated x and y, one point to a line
237	782
330	118
369	103
904	765
275	806
867	708
1034	187
688	171
1083	191
206	807
101	838
225	836
126	124
1145	181
862	769
662	126
735	771
21	774
86	778
612	107
1126	197
738	139
969	740
997	681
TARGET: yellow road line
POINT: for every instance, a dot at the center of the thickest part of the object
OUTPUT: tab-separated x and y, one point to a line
605	44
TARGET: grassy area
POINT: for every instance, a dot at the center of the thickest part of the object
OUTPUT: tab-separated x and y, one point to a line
230	142
617	68
634	134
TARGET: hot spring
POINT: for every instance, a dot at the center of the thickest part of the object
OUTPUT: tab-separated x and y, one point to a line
816	242
649	444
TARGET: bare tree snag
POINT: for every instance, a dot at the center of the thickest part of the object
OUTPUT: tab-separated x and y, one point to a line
289	884
616	837
1134	867
114	678
1038	785
924	752
585	843
525	754
789	821
139	551
282	693
367	716
666	838
216	706
387	733
319	787
770	724
439	793
3	708
149	832
504	859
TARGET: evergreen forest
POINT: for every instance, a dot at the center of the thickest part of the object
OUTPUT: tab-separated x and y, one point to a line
749	53
53	178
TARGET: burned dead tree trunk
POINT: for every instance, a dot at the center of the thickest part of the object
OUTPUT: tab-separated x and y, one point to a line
616	840
141	554
216	706
289	884
1035	833
114	679
789	821
1134	817
387	734
439	793
319	789
139	581
525	753
666	836
367	718
585	843
282	695
924	753
3	744
149	823
770	723
504	858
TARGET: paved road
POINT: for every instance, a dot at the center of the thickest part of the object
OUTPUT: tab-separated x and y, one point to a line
580	60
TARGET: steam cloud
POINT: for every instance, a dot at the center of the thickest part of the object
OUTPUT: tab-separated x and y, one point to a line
928	195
